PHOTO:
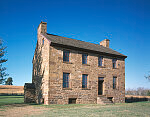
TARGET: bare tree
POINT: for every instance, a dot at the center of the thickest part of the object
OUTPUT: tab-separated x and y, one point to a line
148	76
141	91
3	74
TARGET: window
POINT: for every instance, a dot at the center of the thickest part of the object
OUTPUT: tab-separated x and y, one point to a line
84	81
43	42
100	61
114	62
114	82
66	55
84	58
65	80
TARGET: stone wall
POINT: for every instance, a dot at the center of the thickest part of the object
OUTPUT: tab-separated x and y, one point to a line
60	95
29	93
40	75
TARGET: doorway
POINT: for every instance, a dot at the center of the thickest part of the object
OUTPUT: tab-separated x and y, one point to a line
100	85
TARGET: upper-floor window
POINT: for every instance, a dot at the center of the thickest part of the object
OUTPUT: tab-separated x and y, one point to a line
66	80
66	55
84	58
114	82
84	80
100	61
114	62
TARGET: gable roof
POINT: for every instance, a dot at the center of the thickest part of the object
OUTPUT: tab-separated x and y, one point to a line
81	45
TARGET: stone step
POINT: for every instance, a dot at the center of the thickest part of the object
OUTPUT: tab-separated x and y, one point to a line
107	101
103	100
101	95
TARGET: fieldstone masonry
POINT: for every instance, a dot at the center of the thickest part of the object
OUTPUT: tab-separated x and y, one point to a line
48	68
29	93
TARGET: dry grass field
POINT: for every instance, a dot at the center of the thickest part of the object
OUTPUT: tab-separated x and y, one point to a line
10	89
137	96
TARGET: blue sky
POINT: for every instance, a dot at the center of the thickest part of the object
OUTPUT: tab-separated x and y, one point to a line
128	21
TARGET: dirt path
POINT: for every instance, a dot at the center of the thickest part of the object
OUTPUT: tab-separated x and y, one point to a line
21	110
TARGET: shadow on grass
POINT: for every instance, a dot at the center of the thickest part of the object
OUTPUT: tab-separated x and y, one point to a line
5	97
59	106
16	105
13	105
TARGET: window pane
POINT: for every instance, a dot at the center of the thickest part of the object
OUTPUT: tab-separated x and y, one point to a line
114	82
100	78
114	62
65	80
84	58
84	81
66	55
100	61
43	41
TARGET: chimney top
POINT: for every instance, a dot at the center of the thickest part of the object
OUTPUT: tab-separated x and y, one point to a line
43	22
42	28
105	43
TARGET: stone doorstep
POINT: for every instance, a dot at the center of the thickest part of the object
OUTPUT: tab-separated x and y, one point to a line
102	99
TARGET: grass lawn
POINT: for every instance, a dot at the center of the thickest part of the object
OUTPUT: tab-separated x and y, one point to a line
141	109
5	100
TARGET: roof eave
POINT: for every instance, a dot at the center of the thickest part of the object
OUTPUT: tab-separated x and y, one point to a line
87	50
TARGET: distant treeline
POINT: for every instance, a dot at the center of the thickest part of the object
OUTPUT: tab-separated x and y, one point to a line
138	92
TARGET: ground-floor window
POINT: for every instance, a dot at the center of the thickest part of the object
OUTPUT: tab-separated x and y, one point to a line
114	82
66	80
84	80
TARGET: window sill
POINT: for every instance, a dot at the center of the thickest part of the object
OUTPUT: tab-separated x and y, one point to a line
115	68
86	89
115	89
67	62
86	64
67	89
101	66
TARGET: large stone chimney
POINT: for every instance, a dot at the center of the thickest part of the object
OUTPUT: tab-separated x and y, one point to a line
105	43
42	28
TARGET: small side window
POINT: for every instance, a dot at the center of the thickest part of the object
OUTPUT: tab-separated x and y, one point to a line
43	42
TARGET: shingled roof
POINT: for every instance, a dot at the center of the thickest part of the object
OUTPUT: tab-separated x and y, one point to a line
81	45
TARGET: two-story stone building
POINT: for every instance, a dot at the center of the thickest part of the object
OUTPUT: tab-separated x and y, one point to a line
66	71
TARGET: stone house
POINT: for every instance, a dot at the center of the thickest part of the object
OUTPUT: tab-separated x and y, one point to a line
68	71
